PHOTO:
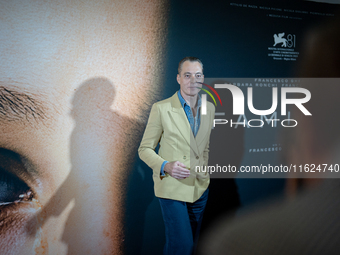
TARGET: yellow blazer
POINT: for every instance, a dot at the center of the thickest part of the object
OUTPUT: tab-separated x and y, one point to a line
169	126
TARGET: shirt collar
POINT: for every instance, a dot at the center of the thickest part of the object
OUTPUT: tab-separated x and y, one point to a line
184	103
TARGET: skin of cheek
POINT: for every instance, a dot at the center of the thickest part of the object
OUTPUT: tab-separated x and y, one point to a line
12	231
85	159
14	238
51	160
13	228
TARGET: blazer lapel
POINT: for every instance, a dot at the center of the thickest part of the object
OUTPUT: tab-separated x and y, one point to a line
180	120
205	125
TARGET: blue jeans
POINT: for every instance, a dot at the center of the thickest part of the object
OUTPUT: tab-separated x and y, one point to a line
182	222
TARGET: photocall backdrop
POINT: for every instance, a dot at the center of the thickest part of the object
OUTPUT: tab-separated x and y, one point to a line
77	81
235	41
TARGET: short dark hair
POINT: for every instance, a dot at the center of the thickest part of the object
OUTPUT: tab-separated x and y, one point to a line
191	59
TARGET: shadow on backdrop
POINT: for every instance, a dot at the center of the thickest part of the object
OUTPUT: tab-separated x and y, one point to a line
91	110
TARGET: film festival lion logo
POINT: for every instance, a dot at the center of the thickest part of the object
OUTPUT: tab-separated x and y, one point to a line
279	39
285	42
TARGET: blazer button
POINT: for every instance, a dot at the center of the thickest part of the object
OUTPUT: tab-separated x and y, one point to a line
184	157
197	157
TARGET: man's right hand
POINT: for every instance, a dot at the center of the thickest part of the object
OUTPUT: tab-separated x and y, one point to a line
177	170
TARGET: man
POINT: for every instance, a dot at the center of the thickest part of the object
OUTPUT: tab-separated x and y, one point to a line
183	135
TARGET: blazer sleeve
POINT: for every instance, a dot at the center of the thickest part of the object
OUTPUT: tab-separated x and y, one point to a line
150	140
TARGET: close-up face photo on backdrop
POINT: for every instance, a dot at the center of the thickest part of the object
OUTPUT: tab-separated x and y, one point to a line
75	78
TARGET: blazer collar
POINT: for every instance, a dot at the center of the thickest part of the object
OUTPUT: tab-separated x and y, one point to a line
175	103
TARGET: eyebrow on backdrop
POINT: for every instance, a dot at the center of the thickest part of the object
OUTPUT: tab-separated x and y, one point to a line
15	105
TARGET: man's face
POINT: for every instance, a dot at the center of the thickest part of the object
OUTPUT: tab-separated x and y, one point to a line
61	153
191	73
